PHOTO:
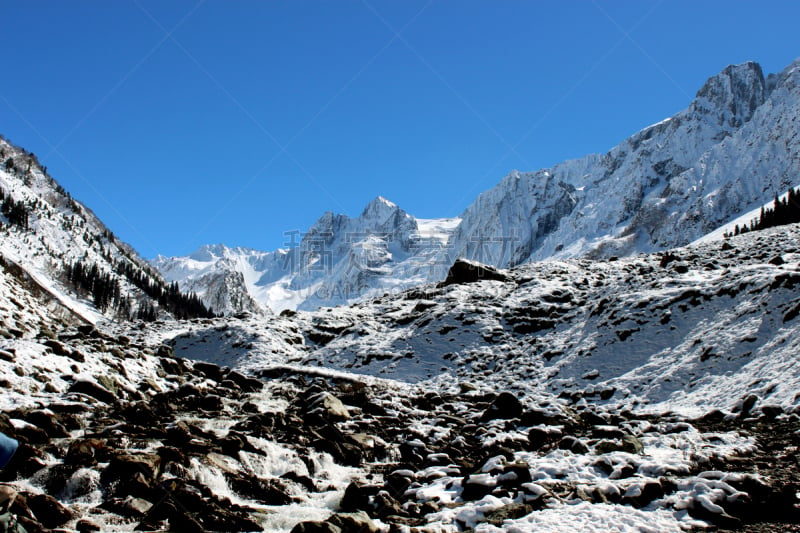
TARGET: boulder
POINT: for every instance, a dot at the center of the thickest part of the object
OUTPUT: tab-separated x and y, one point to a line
354	522
505	407
316	527
466	271
508	512
90	388
48	511
328	406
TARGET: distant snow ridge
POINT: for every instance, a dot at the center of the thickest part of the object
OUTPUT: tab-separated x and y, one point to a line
730	151
339	259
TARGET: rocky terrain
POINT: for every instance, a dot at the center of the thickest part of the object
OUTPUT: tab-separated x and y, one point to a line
129	427
622	384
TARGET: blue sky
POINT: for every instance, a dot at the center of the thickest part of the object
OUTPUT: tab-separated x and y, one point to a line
184	123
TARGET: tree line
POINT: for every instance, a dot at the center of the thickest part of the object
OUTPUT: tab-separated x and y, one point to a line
16	212
106	292
783	211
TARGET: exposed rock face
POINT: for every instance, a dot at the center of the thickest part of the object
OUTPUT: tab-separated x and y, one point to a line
464	271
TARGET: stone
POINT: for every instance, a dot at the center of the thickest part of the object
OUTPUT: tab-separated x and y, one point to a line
47	422
89	388
573	444
329	406
505	407
125	466
86	526
315	527
632	444
508	512
48	511
355	498
358	522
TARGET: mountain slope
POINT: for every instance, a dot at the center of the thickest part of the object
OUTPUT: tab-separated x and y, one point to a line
664	186
63	246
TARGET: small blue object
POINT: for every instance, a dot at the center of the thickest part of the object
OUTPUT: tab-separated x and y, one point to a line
7	448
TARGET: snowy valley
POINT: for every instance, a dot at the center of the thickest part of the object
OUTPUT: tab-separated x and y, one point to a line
618	365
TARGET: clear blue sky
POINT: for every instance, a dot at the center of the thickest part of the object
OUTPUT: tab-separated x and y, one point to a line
183	123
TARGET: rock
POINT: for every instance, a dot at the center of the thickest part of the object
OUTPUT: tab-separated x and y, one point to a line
316	527
355	498
90	388
771	411
476	487
641	494
171	366
508	512
747	404
540	437
165	351
329	407
26	461
515	474
268	492
631	444
506	406
86	526
209	370
607	446
535	417
128	507
211	403
247	384
48	511
57	348
466	271
385	505
354	522
573	444
126	466
47	422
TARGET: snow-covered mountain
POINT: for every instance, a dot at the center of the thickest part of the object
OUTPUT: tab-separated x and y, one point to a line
656	392
61	245
690	353
732	149
339	259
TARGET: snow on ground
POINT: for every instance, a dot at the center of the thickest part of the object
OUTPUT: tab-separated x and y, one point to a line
686	331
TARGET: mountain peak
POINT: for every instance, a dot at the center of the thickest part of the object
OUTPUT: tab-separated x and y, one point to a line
209	252
738	90
380	208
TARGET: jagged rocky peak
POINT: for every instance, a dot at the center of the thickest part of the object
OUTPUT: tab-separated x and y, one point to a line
379	206
209	252
733	94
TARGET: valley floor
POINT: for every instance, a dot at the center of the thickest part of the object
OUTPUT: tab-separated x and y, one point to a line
655	393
